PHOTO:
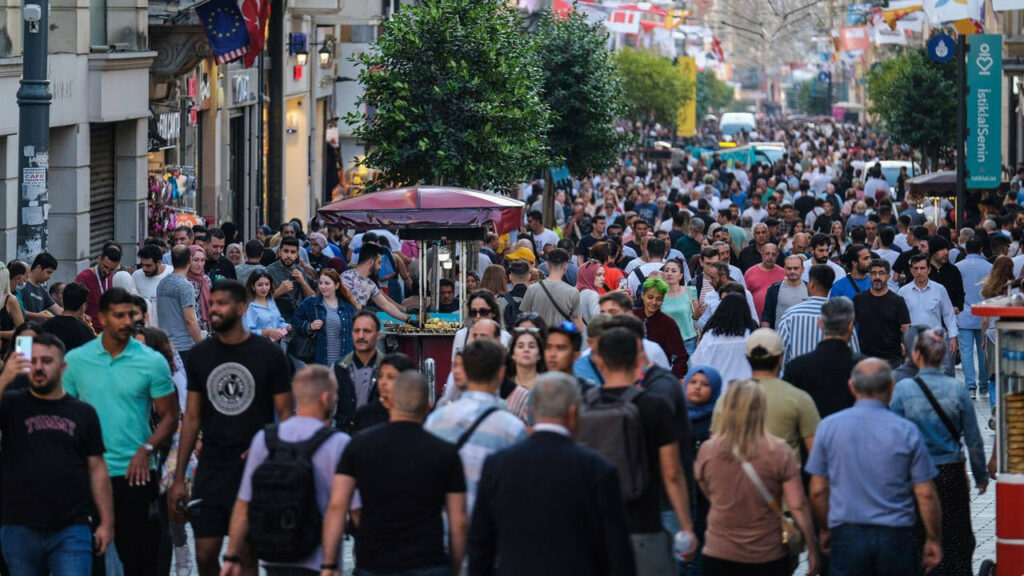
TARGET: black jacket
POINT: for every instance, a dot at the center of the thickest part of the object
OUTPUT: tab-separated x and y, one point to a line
565	494
825	374
951	279
345	413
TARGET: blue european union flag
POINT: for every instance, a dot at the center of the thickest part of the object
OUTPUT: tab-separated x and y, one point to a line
225	28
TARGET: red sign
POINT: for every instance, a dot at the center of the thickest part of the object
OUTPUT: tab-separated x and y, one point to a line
854	38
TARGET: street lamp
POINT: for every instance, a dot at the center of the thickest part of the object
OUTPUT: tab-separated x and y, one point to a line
325	55
301	56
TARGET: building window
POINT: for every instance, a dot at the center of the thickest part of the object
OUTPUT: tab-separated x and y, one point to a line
98	23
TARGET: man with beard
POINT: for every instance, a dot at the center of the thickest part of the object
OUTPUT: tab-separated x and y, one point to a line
293	285
858	258
821	244
882	316
126	381
98	279
940	270
358	371
53	469
237	383
218	267
147	277
360	283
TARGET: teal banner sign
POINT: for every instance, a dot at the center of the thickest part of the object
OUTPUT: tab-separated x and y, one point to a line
984	110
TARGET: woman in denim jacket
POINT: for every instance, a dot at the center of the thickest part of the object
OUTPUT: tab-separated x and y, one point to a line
910	401
327	317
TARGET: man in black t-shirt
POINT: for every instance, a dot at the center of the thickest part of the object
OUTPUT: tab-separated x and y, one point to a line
38	304
882	316
70	326
406	477
55	477
617	356
237	383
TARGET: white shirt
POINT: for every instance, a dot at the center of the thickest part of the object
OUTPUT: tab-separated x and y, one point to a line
146	287
728	354
655	355
756	214
901	241
840	273
930	306
543	239
887	254
1018	264
712	299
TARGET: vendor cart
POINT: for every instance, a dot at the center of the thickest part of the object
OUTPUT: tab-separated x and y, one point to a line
1008	313
446	223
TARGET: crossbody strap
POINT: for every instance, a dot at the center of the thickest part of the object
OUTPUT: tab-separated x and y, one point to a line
938	408
553	303
468	433
853	283
748	469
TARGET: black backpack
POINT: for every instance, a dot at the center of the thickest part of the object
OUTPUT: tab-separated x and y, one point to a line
614	428
284	518
511	313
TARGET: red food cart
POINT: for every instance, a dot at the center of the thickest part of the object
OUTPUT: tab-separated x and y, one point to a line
435	217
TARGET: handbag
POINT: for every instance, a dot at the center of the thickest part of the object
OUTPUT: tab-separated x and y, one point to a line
792	537
303	347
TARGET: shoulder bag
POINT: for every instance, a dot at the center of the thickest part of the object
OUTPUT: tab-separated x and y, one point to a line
938	408
476	423
792	538
553	302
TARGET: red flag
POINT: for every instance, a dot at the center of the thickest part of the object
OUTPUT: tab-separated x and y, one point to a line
255	13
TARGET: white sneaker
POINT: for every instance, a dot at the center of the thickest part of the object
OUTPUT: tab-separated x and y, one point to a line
182	561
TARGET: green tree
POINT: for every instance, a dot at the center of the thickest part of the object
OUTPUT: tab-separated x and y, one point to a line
655	89
914	99
454	88
583	90
712	94
810	97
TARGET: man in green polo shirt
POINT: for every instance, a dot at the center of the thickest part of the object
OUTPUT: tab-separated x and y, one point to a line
125	381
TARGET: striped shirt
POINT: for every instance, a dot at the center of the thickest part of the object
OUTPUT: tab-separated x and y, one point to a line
499	430
800	332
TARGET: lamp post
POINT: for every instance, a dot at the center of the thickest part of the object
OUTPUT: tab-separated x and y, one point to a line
33	131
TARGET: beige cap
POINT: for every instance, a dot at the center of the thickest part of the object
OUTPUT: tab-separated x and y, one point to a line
764	343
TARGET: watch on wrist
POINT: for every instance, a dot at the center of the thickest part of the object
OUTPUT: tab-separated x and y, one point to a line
231	559
148	447
329	566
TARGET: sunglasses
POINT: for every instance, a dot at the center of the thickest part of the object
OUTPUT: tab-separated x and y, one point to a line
527	330
474	312
528	317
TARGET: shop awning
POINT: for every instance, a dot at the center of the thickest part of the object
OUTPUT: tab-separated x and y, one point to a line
422	208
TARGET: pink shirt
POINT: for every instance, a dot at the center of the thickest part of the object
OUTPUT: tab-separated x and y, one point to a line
759	281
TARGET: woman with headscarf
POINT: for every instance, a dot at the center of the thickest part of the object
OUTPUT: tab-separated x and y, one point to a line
201	286
588	279
702	386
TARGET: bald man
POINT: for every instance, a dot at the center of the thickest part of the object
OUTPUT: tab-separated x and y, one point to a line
408	537
316	393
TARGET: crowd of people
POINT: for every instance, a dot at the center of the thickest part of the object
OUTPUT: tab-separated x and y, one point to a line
697	367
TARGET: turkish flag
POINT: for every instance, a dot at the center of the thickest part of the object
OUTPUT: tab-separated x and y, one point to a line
255	13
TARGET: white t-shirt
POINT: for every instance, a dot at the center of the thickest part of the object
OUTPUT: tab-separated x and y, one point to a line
146	286
543	239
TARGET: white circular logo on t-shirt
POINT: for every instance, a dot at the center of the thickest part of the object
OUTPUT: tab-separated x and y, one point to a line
231	388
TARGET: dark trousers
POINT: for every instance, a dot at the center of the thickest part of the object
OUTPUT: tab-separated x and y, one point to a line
866	550
137	528
718	567
958	540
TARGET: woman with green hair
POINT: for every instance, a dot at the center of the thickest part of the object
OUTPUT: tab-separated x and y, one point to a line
660	327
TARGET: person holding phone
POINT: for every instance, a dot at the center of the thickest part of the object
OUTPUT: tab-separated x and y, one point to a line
681	303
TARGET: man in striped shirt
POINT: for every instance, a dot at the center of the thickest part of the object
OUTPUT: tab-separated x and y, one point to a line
495	427
800	327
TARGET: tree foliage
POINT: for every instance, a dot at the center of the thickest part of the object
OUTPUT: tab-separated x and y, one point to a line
583	91
810	97
655	89
914	98
712	94
453	85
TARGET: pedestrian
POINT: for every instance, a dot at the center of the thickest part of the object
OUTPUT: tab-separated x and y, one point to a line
723	343
567	495
858	259
237	383
126	382
39	306
929	304
235	255
400	524
974	269
217	265
941	408
618	358
588	280
262	316
798	327
363	289
98	279
55	477
739	468
761	276
327	319
316	393
147	278
293	282
176	303
478	424
70	325
525	362
659	327
869	469
825	372
200	287
376	411
552	299
703	389
784	294
357	373
11	316
253	254
681	305
820	246
882	316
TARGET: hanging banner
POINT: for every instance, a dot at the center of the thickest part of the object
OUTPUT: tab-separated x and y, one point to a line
984	110
854	38
623	22
687	117
940	11
856	13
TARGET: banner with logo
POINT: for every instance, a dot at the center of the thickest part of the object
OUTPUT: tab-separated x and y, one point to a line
984	110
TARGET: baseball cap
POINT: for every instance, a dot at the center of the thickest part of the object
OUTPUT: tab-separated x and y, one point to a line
764	343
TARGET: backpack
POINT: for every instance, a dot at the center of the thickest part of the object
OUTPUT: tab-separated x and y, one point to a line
638	298
614	428
511	313
284	518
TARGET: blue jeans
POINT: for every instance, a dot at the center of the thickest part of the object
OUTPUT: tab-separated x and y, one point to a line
970	342
866	550
435	571
63	552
